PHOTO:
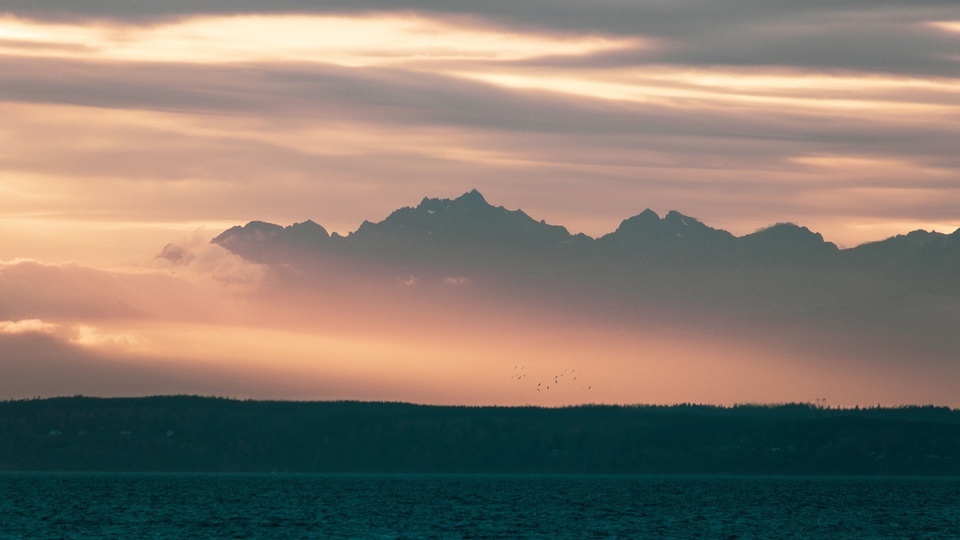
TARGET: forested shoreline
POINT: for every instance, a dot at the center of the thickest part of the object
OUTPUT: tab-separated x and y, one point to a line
209	434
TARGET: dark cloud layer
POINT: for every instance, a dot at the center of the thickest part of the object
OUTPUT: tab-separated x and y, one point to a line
35	364
884	36
303	94
32	290
694	149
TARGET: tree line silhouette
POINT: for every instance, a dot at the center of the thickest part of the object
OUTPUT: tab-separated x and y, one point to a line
208	434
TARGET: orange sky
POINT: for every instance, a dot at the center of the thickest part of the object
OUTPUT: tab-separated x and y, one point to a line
125	129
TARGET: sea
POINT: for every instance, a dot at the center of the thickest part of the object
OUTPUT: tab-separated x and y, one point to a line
98	505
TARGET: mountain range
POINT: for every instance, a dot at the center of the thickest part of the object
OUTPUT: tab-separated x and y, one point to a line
906	285
446	229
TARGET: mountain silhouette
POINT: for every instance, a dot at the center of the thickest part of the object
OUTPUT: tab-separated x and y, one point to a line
265	242
787	243
674	263
469	224
446	235
468	229
468	219
676	238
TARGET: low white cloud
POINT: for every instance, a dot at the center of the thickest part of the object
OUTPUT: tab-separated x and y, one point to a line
455	281
27	325
80	334
195	257
91	336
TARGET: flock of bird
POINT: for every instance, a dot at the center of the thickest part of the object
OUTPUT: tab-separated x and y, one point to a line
521	374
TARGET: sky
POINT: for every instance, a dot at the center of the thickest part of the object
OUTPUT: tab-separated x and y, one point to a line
128	125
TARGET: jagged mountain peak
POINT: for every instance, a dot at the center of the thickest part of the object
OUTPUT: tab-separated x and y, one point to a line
469	224
649	230
921	237
472	197
260	226
468	219
308	228
242	239
309	224
648	219
788	243
645	218
912	241
252	232
469	201
677	218
788	233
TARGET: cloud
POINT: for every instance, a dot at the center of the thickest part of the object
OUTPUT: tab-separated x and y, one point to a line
82	335
27	325
349	41
91	336
32	290
204	264
40	363
849	35
50	364
706	107
213	285
169	146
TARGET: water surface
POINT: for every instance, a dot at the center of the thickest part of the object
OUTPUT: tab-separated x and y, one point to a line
76	505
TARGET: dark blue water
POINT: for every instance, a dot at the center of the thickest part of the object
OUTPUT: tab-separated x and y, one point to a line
421	506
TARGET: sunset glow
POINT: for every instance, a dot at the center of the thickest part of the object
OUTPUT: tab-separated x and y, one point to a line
347	41
125	132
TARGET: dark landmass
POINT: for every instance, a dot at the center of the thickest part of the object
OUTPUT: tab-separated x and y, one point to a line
198	434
